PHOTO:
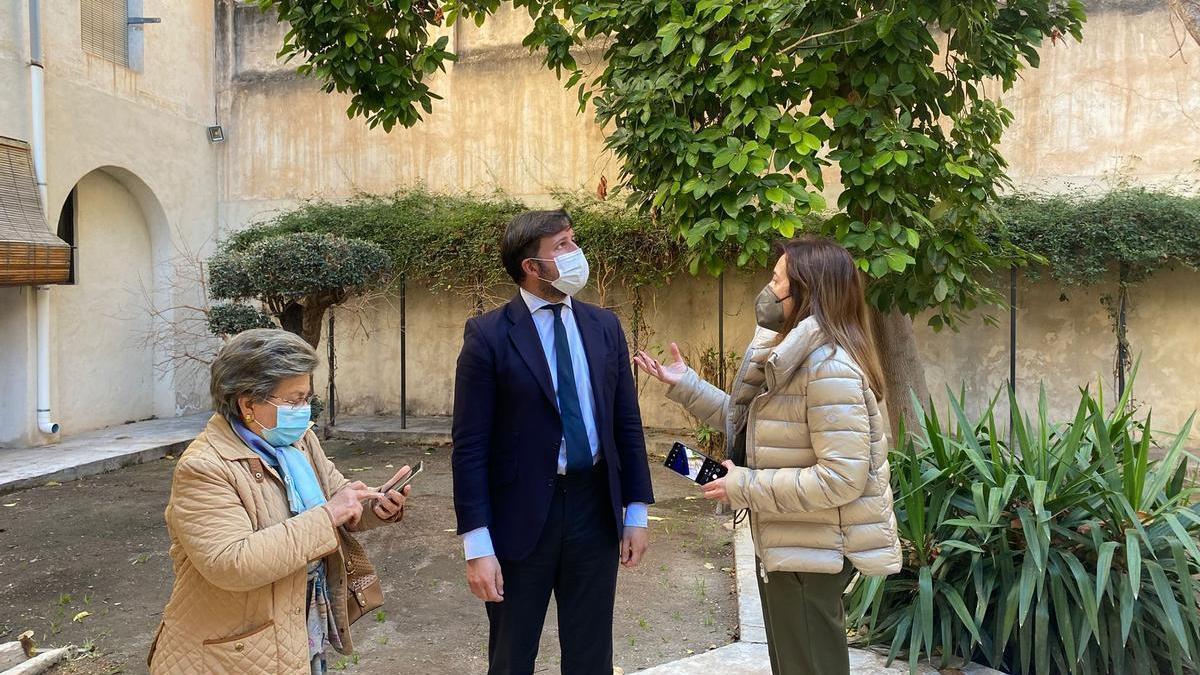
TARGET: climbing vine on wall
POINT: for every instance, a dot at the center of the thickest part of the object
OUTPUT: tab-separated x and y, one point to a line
1130	232
451	243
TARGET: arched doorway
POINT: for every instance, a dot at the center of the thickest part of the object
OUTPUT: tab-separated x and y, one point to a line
102	353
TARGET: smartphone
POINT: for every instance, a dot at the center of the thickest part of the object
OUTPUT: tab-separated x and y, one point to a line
694	465
399	485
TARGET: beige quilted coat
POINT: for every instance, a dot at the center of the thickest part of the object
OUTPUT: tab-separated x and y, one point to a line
240	558
816	480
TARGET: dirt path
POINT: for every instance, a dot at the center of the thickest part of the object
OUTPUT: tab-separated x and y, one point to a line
99	546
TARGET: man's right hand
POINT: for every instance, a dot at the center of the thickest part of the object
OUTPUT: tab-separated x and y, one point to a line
485	578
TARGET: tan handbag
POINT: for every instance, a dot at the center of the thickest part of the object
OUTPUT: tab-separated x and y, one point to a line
364	593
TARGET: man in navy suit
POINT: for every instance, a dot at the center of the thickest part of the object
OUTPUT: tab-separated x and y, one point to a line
551	481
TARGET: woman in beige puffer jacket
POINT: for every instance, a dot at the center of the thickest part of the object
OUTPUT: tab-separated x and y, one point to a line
806	428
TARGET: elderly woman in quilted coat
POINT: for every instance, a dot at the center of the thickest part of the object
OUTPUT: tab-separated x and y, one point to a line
805	430
260	585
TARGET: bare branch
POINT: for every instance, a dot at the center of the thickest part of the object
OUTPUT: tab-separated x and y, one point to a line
816	36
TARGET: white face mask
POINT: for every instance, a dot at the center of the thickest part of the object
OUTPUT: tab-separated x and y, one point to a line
572	272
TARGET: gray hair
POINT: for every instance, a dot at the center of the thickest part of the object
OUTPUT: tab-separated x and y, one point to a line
253	363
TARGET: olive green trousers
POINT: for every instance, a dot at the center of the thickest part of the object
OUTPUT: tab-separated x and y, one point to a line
806	621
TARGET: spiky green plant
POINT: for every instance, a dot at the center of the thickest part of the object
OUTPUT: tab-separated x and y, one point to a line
1071	548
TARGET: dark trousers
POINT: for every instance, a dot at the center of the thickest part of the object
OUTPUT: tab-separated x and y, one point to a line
576	559
806	622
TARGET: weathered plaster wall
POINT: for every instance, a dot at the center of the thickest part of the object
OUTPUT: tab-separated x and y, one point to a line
146	131
1118	106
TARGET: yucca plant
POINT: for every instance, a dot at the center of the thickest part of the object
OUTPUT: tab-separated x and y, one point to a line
1069	549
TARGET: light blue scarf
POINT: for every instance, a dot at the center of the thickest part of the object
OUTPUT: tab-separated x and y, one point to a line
303	490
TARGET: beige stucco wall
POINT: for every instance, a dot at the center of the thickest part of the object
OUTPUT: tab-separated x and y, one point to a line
99	324
1119	106
1063	344
146	132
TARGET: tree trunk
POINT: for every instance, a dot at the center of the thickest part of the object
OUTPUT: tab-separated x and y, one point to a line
291	318
311	327
903	373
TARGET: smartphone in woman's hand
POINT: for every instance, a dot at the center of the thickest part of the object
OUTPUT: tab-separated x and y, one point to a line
694	465
398	484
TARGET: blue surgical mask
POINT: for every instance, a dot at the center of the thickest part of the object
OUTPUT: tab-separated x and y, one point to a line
290	425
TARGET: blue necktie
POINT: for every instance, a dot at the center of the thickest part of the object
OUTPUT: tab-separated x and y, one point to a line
579	451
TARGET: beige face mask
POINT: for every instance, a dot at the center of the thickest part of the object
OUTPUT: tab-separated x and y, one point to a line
768	310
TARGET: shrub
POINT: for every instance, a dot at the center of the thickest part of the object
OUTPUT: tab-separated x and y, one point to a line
296	276
451	243
229	319
1069	551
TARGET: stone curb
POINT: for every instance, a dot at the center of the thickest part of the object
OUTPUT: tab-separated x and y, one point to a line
96	452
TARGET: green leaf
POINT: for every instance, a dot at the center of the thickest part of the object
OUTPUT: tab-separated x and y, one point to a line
776	195
738	163
1170	604
1133	559
669	43
1103	566
914	241
887	193
879	266
925	596
898	261
940	289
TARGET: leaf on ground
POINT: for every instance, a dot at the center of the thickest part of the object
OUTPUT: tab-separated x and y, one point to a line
656	519
13	504
709	566
53	483
81	616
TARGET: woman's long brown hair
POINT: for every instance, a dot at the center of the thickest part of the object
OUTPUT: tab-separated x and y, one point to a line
825	283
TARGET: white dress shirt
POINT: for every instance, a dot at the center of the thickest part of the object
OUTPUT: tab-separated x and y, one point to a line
478	543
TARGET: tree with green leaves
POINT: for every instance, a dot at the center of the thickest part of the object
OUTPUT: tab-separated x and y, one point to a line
729	116
296	276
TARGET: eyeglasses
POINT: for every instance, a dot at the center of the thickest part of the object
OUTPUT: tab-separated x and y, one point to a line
293	404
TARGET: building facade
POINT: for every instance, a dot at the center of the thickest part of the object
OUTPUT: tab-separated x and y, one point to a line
129	158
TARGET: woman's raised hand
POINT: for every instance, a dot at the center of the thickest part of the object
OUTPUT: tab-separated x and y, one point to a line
670	373
346	505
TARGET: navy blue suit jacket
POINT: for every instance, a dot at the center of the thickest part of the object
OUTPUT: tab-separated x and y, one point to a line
507	429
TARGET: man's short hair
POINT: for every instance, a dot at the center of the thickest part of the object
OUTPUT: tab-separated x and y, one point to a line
524	235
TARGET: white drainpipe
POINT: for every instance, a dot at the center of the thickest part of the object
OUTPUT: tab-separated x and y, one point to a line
37	89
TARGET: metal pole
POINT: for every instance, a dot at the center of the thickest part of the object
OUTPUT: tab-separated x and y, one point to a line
1012	351
1012	330
403	353
332	371
37	75
1122	351
721	330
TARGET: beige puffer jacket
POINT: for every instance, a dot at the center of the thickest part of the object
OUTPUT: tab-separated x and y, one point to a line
241	562
817	475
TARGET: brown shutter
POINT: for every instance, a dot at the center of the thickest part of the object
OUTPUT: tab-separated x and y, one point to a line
105	29
29	253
